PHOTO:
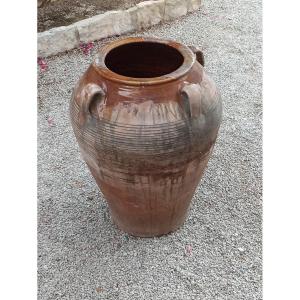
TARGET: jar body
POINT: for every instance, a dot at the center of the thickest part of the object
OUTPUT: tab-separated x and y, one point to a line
146	145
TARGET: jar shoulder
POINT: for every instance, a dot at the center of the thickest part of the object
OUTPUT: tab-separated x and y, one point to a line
145	105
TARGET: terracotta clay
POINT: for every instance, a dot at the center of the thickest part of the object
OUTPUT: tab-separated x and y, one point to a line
146	117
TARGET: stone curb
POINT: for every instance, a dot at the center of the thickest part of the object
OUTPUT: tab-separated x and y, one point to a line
116	22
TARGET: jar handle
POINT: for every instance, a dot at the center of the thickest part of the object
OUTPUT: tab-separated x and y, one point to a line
199	54
91	95
191	97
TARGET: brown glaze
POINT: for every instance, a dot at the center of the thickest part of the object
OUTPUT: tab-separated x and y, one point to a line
146	117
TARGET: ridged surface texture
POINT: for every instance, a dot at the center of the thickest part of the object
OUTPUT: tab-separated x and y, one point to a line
146	153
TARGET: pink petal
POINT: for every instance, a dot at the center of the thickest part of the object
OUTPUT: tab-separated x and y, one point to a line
50	122
86	47
90	45
43	64
188	250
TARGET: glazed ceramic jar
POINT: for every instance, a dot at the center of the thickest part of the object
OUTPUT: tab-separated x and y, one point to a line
146	117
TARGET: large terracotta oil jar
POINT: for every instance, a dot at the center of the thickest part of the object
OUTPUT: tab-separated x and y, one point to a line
146	117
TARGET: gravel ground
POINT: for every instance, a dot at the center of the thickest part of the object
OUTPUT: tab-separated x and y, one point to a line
217	254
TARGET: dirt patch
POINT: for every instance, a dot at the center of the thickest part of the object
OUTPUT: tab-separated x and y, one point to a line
66	12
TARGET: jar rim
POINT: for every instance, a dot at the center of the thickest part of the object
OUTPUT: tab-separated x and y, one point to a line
189	59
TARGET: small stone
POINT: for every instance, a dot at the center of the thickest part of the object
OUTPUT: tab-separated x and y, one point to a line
97	61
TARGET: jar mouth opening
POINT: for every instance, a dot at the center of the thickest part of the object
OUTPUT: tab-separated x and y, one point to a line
144	61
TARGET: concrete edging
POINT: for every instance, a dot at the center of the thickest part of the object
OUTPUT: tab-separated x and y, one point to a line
115	22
